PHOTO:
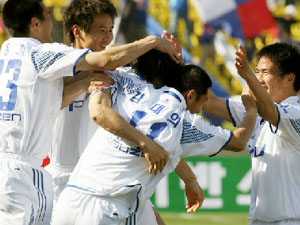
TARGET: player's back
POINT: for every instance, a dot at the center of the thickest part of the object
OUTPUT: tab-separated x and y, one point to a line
110	165
28	101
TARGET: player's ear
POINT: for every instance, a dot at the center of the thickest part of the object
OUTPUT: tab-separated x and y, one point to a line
191	94
290	78
34	24
76	31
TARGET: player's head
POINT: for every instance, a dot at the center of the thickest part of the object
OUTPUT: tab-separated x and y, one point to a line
278	70
89	23
28	18
194	85
192	81
158	68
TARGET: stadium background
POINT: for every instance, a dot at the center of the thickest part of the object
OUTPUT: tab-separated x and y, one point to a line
226	178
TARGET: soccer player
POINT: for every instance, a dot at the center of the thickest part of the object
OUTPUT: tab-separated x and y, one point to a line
94	32
275	145
110	183
31	90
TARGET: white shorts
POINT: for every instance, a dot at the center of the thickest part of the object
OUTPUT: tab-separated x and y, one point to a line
146	215
77	208
26	193
59	179
282	222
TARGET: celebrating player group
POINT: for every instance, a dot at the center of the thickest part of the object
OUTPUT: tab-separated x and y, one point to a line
115	120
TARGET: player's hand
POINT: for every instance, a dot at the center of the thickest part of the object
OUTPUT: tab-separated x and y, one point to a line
241	63
249	103
195	196
171	38
98	81
164	45
156	156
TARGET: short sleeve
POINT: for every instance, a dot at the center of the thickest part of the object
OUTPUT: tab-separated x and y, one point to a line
236	111
288	122
53	61
202	138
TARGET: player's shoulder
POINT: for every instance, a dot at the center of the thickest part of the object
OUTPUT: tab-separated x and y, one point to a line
53	47
290	105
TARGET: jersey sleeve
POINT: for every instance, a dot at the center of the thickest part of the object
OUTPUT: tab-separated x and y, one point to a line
288	126
202	138
236	111
53	61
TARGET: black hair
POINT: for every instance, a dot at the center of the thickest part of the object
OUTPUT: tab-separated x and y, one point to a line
83	13
158	68
17	15
194	77
286	57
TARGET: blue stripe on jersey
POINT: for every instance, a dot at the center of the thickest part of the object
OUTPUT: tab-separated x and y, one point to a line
191	134
80	188
228	108
75	64
173	94
137	195
296	125
43	194
42	60
231	135
271	128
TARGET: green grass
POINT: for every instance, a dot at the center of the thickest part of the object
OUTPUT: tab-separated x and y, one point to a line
205	218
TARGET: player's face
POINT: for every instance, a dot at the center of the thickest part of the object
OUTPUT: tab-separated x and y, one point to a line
100	33
268	75
195	104
46	27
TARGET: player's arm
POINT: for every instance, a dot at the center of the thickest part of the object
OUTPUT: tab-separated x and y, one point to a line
216	106
242	134
102	113
75	86
265	104
114	57
193	191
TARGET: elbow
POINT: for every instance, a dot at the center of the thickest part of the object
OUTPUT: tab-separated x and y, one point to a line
236	145
240	146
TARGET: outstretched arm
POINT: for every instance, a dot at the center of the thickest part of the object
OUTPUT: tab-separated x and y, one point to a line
242	134
114	57
216	106
102	113
265	104
193	191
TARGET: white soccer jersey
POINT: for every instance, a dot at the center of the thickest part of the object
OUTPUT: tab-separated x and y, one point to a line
111	166
31	87
87	128
64	152
275	153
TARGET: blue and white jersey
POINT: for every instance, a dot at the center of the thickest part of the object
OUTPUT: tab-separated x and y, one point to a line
31	85
64	152
275	154
112	166
202	138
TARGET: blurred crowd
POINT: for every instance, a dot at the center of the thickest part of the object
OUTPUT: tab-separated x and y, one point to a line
198	39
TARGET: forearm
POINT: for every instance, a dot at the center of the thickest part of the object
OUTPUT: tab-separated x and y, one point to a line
117	56
265	104
217	107
73	87
185	172
111	121
243	133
